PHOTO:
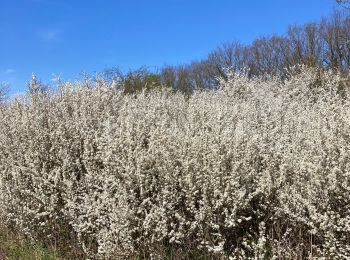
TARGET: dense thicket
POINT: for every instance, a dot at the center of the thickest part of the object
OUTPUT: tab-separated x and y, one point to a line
257	169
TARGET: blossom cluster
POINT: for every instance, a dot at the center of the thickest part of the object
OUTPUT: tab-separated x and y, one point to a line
257	169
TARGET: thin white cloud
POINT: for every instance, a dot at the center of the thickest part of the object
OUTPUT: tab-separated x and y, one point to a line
50	35
9	71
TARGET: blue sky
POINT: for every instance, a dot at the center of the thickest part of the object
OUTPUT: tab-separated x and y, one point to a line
67	37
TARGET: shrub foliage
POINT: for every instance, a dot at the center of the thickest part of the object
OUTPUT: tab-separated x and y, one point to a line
258	169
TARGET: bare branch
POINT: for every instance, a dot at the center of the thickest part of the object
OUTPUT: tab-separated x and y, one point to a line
344	3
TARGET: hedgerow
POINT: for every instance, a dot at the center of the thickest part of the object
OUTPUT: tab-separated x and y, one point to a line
257	169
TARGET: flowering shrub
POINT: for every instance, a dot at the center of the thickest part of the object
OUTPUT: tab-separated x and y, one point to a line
257	169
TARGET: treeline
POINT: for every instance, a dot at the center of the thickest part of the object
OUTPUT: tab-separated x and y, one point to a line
324	44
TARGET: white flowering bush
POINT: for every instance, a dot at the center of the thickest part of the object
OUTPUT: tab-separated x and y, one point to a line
258	169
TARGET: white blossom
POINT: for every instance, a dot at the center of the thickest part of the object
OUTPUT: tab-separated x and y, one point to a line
257	169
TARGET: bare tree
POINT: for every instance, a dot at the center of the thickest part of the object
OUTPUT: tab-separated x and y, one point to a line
168	76
268	55
231	55
178	78
344	3
335	35
200	75
137	80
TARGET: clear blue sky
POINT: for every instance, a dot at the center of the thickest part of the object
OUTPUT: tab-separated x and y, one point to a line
66	37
